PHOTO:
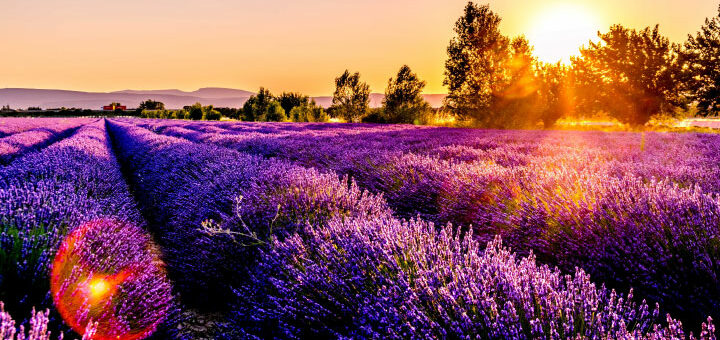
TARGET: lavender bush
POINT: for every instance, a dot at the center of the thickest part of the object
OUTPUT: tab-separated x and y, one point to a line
212	207
38	327
110	273
383	278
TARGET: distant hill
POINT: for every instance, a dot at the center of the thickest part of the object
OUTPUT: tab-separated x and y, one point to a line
20	98
206	92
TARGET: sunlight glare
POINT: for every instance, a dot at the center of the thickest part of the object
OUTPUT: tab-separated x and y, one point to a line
559	31
99	287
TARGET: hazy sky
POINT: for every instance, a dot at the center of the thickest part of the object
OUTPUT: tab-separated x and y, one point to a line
296	45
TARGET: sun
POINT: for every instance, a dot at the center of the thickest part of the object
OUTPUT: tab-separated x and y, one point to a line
560	30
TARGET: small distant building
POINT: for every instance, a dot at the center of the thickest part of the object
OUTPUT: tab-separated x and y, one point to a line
114	106
6	108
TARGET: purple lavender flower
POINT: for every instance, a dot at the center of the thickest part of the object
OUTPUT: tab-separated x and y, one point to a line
382	278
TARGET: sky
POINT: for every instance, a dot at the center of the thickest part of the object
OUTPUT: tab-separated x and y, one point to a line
292	45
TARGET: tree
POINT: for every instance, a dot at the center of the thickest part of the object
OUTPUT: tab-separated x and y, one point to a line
274	113
476	56
308	112
178	114
257	105
151	105
555	93
290	100
375	115
351	98
632	75
403	101
263	107
194	112
702	54
490	77
209	113
515	101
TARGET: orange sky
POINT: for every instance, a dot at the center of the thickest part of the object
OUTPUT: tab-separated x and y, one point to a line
294	45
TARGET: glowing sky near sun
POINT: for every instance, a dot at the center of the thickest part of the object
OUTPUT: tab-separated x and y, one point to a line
292	45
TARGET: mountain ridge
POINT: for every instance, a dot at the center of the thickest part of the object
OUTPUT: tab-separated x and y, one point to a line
172	98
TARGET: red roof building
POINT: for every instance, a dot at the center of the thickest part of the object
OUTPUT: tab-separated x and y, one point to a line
114	107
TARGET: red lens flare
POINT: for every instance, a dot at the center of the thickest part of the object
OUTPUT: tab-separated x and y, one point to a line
110	273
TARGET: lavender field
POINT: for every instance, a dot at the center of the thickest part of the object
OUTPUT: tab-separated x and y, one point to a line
172	229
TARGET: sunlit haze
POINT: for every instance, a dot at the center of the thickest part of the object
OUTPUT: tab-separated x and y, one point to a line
560	29
296	45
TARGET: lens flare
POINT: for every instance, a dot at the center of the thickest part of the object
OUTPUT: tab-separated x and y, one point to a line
110	273
99	288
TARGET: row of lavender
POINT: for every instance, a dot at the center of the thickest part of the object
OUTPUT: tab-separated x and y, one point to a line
19	136
634	211
50	193
211	207
10	126
342	149
306	253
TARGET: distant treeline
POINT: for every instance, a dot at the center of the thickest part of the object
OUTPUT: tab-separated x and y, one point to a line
6	111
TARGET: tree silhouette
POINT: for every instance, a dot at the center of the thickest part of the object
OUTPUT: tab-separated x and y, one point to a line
490	77
556	93
263	107
195	111
151	105
308	112
632	75
351	98
290	100
514	102
403	101
475	61
702	53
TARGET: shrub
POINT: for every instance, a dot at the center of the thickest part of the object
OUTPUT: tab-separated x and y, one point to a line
209	113
194	112
375	115
308	112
